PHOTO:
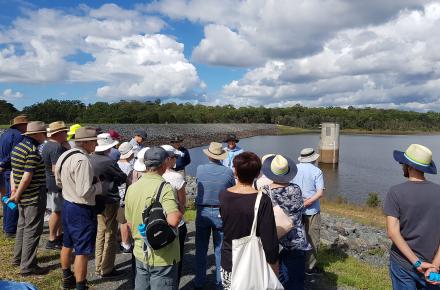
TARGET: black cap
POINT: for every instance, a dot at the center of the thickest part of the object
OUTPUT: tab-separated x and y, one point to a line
141	132
231	137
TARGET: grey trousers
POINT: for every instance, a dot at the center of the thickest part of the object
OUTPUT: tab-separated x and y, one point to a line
29	230
312	225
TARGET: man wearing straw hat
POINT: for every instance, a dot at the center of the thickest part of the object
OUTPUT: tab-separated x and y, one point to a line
29	191
412	211
311	181
8	140
107	168
52	150
212	178
74	175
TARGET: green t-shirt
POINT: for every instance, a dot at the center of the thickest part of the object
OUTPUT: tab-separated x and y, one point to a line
138	195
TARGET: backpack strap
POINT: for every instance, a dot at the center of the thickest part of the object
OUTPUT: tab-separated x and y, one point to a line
67	157
159	191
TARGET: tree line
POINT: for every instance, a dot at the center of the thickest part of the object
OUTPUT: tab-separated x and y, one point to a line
129	112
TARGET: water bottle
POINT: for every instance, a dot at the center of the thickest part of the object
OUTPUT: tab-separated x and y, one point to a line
9	203
142	228
434	277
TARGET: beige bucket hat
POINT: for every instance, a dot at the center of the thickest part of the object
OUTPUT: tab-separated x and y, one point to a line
21	119
216	151
308	155
35	127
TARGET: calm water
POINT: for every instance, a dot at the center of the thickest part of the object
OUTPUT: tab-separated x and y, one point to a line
366	163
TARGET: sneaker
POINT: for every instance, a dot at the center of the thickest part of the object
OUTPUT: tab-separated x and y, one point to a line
113	274
36	271
315	271
124	250
69	282
53	245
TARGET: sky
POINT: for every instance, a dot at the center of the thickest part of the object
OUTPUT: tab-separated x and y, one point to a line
273	53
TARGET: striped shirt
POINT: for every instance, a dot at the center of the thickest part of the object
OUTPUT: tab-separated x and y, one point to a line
26	158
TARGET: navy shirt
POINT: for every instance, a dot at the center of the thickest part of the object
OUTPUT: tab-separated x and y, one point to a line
8	140
182	161
212	178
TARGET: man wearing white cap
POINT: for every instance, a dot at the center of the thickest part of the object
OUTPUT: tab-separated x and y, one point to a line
311	181
108	170
413	214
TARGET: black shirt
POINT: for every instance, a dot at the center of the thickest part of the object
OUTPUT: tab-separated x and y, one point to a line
52	150
237	213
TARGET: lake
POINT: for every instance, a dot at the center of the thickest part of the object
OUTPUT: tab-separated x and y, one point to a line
366	162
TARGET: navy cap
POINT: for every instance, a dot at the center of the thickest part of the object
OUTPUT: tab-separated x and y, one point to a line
155	156
141	132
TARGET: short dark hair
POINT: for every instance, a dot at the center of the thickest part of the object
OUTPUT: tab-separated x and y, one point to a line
247	166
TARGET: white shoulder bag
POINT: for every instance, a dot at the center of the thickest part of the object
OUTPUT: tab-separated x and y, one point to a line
282	220
250	270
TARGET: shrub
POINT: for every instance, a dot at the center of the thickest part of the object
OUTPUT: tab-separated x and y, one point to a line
373	199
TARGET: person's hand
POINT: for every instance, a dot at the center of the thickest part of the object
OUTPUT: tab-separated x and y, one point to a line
428	271
307	202
14	197
425	266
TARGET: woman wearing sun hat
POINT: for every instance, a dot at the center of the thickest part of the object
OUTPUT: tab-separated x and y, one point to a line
281	170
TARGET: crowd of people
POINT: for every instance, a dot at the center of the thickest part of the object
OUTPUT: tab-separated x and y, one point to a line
95	185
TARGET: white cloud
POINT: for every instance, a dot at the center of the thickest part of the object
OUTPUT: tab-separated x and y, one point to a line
389	65
123	49
10	95
279	29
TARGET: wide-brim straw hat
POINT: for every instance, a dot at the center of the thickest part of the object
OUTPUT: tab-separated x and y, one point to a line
35	127
279	169
105	142
21	119
55	127
85	134
216	151
418	157
308	155
139	163
126	150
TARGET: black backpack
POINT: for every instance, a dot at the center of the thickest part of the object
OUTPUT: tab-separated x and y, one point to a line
158	232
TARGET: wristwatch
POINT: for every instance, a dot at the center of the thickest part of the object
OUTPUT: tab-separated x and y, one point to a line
417	264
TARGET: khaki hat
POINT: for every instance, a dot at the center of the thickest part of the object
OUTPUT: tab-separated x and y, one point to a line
35	127
55	127
21	119
85	134
126	150
216	151
308	155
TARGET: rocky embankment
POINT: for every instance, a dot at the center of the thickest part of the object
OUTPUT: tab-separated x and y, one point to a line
194	134
367	243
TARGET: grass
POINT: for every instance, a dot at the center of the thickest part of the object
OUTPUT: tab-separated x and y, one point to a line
4	126
342	270
190	215
287	130
8	272
362	214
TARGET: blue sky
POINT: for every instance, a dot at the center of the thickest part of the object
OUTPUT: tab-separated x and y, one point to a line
271	53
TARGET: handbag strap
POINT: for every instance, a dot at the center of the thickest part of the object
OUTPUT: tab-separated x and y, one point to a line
256	207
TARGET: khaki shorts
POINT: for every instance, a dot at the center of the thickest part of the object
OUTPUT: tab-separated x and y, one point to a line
120	217
54	201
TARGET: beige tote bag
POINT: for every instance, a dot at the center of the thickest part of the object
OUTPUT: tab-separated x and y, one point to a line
250	270
282	220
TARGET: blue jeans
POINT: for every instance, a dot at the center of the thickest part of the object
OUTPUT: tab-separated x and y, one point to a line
10	217
155	278
404	279
292	269
207	220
